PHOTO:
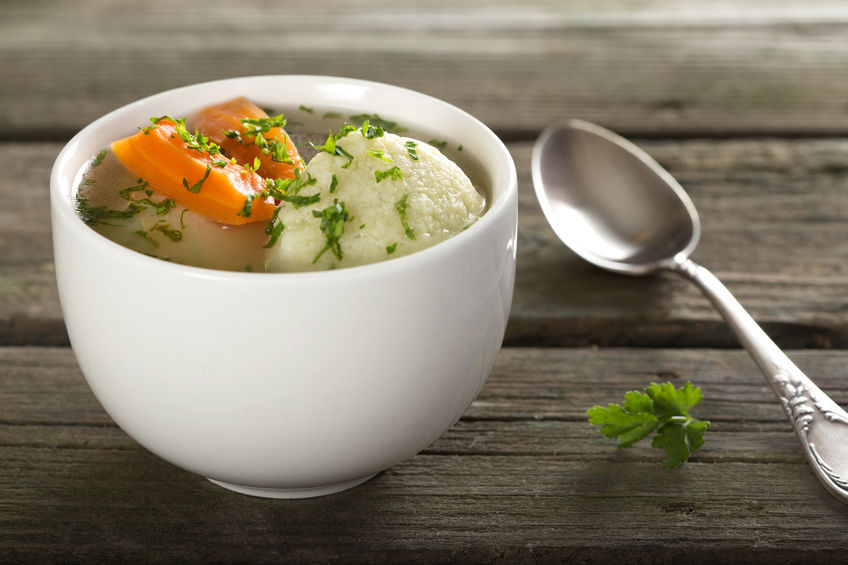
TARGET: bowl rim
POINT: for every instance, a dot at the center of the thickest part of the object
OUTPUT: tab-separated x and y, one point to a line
502	201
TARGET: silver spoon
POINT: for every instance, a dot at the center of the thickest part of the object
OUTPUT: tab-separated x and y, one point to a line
617	208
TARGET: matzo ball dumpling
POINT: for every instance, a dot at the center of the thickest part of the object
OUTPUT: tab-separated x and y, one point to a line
382	196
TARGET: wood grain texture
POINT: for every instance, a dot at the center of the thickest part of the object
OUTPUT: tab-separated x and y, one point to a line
781	206
521	478
715	68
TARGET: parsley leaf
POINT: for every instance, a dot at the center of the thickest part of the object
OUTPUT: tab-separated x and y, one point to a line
661	406
333	149
375	119
394	173
333	219
195	188
287	190
274	228
410	148
95	162
401	206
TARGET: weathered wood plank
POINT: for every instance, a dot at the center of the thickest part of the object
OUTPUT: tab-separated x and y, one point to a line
736	68
775	229
521	478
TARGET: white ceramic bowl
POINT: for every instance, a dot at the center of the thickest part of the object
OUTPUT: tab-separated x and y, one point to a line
293	384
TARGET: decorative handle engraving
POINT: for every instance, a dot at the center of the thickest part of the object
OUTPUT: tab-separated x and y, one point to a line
820	424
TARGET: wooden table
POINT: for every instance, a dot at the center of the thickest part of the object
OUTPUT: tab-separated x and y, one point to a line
745	102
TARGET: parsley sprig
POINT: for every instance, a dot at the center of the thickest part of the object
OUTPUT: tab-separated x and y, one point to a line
663	408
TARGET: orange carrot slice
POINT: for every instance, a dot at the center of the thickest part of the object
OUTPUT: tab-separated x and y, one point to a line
277	155
207	184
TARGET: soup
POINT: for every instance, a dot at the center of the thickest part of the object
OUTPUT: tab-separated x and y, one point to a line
368	193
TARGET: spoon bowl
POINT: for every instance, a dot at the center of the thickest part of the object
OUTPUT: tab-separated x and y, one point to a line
614	206
631	218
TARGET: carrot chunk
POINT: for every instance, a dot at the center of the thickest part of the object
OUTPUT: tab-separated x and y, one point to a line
202	182
245	132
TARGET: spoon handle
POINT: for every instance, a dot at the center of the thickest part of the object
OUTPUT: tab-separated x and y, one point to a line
821	425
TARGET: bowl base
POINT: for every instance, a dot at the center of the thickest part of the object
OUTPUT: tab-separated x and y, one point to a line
308	492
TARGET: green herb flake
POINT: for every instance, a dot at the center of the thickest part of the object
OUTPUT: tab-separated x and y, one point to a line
333	149
401	206
247	269
369	131
93	215
411	149
142	186
274	228
331	115
247	207
195	188
663	408
165	229
307	109
334	183
380	154
182	223
394	173
376	120
391	248
159	208
332	219
95	162
288	190
440	145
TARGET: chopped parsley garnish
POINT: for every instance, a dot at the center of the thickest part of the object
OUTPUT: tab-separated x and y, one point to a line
165	229
387	125
196	140
195	188
332	148
247	269
334	183
254	126
274	228
297	201
247	207
333	219
288	190
440	145
394	173
380	154
93	215
391	248
98	158
369	131
660	406
331	115
401	206
126	193
411	149
253	130
307	109
159	208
